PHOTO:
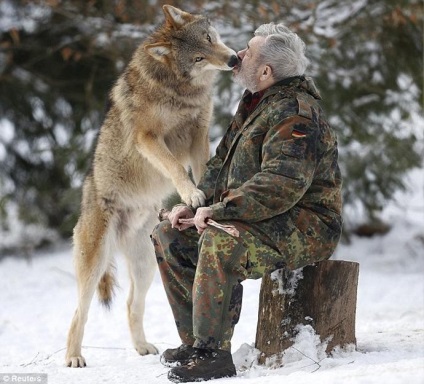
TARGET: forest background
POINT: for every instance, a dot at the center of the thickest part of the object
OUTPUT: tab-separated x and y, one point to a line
60	58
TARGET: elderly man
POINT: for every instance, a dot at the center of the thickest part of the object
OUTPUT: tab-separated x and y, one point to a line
274	177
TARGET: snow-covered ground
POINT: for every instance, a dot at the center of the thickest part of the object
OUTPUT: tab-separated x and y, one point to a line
38	298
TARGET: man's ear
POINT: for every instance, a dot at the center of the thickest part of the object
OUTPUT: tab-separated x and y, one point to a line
266	73
159	51
175	17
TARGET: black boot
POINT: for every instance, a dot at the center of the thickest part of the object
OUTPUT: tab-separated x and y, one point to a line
174	357
206	364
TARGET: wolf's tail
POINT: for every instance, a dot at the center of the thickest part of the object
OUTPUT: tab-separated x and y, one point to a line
105	289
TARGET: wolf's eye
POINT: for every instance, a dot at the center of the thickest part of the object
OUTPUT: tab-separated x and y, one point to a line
198	59
209	38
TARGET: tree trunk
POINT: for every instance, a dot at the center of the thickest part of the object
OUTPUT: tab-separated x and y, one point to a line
322	295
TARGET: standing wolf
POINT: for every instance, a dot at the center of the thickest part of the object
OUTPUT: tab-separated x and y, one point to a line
156	127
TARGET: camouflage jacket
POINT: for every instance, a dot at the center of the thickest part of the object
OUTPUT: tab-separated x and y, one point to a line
275	170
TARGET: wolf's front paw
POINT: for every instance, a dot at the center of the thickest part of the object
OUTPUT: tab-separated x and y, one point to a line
194	199
75	362
146	349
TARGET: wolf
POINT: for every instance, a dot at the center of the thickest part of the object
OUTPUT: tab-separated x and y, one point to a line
156	128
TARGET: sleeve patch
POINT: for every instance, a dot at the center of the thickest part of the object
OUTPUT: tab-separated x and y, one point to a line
304	108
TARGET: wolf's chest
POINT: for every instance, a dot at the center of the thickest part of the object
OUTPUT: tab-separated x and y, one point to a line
177	113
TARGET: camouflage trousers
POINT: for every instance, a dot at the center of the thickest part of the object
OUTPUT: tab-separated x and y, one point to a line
202	275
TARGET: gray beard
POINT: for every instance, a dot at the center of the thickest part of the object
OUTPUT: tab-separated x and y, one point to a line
247	80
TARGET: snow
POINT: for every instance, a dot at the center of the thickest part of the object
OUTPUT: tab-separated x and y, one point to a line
38	297
25	17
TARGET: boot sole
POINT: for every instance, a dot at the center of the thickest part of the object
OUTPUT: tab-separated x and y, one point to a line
218	374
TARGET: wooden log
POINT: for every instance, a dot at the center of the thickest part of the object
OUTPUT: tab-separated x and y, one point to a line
322	295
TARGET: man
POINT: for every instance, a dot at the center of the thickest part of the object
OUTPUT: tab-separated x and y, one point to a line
275	177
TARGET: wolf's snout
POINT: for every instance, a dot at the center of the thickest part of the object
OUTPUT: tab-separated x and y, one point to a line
233	61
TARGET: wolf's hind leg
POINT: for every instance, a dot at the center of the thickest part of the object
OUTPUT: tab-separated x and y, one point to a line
139	253
91	257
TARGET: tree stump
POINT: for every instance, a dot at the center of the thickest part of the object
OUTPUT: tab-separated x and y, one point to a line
322	295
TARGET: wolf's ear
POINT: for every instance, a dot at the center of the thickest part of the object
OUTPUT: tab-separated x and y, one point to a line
175	17
158	50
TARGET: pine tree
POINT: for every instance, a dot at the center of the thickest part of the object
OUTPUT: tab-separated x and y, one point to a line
59	59
372	92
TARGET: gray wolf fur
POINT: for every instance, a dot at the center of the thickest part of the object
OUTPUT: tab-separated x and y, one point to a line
156	127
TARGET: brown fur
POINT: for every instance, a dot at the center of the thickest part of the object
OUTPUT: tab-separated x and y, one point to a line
156	128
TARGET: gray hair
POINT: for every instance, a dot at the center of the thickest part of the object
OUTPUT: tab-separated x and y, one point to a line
283	51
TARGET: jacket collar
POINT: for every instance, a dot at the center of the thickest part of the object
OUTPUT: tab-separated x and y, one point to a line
285	86
273	89
280	86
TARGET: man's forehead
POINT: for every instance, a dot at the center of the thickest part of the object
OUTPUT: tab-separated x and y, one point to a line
255	42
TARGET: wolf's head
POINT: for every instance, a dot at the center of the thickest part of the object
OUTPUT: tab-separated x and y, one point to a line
189	45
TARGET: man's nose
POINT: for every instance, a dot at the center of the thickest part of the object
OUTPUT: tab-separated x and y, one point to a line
240	54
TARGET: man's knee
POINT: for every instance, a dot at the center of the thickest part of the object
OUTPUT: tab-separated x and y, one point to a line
162	228
171	243
161	237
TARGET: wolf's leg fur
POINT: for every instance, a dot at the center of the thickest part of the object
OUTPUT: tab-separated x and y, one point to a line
92	257
138	251
199	150
154	148
199	156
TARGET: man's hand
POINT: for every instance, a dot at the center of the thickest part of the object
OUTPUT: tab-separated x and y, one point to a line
180	212
201	218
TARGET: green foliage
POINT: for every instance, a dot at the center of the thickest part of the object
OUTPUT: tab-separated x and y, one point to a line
371	93
54	89
59	59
